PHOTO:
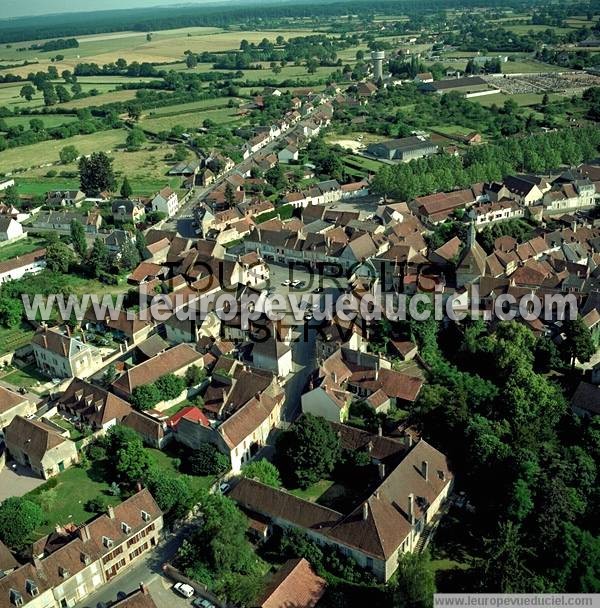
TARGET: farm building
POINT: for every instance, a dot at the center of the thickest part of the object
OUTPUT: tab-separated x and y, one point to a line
405	149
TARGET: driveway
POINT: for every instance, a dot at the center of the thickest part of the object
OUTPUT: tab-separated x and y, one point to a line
17	482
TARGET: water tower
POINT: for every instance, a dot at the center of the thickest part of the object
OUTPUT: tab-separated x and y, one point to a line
377	57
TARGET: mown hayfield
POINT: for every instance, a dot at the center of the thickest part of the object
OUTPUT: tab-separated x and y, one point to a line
192	120
99	100
291	72
530	67
48	151
184	108
524	29
146	170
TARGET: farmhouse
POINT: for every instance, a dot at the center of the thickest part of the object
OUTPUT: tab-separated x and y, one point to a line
15	269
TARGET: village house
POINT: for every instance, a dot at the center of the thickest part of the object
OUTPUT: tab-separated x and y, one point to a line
176	361
288	154
17	268
92	406
127	211
65	198
12	404
60	355
75	561
60	221
10	229
166	201
40	445
378	530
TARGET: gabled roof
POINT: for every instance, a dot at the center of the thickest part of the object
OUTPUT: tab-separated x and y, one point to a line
294	585
32	437
9	399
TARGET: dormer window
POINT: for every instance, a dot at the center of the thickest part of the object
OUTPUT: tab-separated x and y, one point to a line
145	516
126	529
64	572
32	588
107	542
86	559
16	599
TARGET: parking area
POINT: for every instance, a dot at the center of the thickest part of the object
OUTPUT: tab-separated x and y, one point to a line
17	481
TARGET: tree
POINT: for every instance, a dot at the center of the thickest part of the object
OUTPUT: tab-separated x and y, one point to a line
50	96
415	581
207	460
124	455
62	93
191	61
96	173
172	493
59	257
126	189
78	238
194	375
11	311
129	255
264	471
99	260
135	139
97	505
19	517
145	397
578	344
308	451
11	196
170	386
110	375
68	154
229	196
27	91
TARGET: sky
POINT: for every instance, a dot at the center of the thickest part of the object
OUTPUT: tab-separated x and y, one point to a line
19	8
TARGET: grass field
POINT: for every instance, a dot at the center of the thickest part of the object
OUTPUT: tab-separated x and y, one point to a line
288	72
191	120
524	29
49	120
184	108
314	492
530	66
522	99
99	100
48	151
168	464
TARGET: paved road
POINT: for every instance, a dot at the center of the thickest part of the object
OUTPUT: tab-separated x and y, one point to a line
147	571
17	482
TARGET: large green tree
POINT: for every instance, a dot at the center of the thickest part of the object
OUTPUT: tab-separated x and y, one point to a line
96	173
308	451
19	517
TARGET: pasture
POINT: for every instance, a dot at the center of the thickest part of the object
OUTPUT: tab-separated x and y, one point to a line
190	120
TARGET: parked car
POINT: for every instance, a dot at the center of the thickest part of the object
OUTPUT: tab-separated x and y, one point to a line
184	589
318	290
295	283
200	602
286	283
224	487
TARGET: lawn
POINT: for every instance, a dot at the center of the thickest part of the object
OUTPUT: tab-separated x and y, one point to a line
74	433
26	245
314	492
27	377
453	130
65	502
169	464
48	151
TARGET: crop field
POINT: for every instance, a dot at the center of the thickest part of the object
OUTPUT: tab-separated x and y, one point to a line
291	72
48	151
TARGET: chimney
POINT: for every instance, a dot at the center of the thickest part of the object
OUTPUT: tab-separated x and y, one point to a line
84	532
37	563
411	517
143	589
408	440
425	470
111	512
365	511
379	431
381	469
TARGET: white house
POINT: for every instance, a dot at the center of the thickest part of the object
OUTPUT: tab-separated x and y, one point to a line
10	229
288	154
31	263
6	184
166	201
